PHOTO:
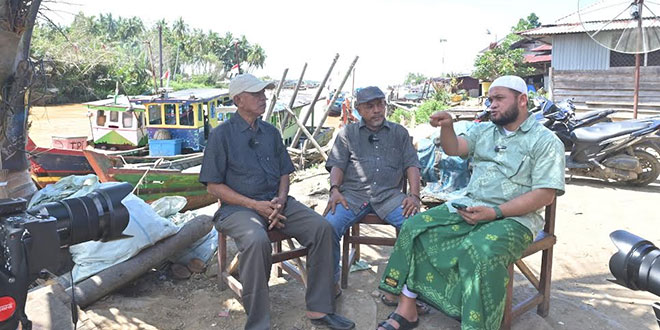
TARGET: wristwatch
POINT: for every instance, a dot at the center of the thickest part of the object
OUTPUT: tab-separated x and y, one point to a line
498	213
333	187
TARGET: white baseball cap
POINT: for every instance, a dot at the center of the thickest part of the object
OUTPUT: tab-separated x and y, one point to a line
513	82
248	83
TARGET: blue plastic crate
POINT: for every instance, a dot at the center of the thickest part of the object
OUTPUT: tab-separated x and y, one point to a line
165	147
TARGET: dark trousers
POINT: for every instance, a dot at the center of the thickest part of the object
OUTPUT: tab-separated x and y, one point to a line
248	229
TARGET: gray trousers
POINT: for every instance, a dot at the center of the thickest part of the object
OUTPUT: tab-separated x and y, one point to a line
248	229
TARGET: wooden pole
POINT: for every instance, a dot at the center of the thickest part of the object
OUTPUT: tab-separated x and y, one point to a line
110	279
638	57
153	69
334	98
296	138
309	136
160	52
293	97
273	101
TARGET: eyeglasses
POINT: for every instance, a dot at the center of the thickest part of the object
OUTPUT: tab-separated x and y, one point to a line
373	138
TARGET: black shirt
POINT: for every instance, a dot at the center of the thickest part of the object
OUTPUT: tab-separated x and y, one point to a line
249	161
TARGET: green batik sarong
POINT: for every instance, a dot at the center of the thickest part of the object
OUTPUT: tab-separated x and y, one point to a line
456	267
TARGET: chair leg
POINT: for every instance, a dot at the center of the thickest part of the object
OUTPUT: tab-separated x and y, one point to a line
545	277
345	264
356	246
277	248
508	302
222	261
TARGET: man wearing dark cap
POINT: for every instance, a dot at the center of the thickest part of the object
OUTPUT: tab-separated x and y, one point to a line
367	165
247	167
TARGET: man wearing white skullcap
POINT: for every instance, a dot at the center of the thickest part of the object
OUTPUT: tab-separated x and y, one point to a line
455	256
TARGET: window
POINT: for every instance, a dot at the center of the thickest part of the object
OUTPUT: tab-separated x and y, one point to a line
653	58
155	117
199	111
624	60
114	116
100	118
212	106
127	119
140	120
170	114
186	116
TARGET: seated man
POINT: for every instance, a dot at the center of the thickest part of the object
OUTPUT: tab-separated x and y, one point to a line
247	167
367	166
455	257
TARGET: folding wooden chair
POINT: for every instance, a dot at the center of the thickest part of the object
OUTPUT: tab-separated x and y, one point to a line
544	243
228	273
352	240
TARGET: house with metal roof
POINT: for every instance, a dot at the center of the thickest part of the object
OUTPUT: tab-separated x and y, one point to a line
592	74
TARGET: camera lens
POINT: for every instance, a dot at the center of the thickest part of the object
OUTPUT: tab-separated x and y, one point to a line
99	215
637	264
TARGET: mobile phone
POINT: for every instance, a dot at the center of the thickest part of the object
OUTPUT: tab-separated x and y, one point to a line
459	206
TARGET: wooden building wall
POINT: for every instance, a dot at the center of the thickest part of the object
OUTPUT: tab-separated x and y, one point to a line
612	88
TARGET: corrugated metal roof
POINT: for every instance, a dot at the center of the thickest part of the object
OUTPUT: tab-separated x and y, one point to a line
590	26
542	48
122	103
537	58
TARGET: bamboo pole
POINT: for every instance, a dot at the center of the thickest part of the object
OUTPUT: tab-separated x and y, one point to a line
273	101
296	138
293	98
309	136
334	98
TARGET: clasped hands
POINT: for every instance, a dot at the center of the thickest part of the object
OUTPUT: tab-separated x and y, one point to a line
272	211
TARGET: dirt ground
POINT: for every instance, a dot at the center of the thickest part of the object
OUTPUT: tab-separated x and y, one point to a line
582	298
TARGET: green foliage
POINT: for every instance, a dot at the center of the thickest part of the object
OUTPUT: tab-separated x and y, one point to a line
400	116
415	78
502	60
428	108
86	59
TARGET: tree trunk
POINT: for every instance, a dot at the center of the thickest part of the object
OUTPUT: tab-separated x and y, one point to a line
17	20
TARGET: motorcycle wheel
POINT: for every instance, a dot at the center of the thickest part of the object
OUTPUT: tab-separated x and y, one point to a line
650	168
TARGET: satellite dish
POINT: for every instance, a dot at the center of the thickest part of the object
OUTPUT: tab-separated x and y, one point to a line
628	26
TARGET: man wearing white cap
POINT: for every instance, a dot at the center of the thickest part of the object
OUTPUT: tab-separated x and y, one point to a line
247	167
455	256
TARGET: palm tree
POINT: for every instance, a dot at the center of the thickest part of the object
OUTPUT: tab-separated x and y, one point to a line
16	71
256	56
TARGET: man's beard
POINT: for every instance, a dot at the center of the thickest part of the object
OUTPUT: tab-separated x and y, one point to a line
507	117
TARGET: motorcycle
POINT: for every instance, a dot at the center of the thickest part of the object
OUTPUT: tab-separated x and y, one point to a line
615	151
561	118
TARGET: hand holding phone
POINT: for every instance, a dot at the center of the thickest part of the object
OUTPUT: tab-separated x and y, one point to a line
459	206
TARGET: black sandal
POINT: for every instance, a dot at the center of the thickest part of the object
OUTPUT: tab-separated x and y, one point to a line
422	307
404	324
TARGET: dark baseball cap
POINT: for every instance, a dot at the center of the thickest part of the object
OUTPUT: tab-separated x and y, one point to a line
367	94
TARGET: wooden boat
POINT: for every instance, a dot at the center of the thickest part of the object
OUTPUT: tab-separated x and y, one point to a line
116	123
187	115
153	183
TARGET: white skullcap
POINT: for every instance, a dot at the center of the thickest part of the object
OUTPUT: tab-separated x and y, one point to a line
513	82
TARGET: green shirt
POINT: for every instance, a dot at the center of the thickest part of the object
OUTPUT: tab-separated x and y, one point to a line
506	166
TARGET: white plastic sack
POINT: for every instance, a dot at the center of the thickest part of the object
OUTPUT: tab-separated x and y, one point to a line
203	248
146	228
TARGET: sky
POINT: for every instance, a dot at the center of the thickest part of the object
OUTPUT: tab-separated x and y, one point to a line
391	37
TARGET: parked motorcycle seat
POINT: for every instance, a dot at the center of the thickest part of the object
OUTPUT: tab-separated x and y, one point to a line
603	131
